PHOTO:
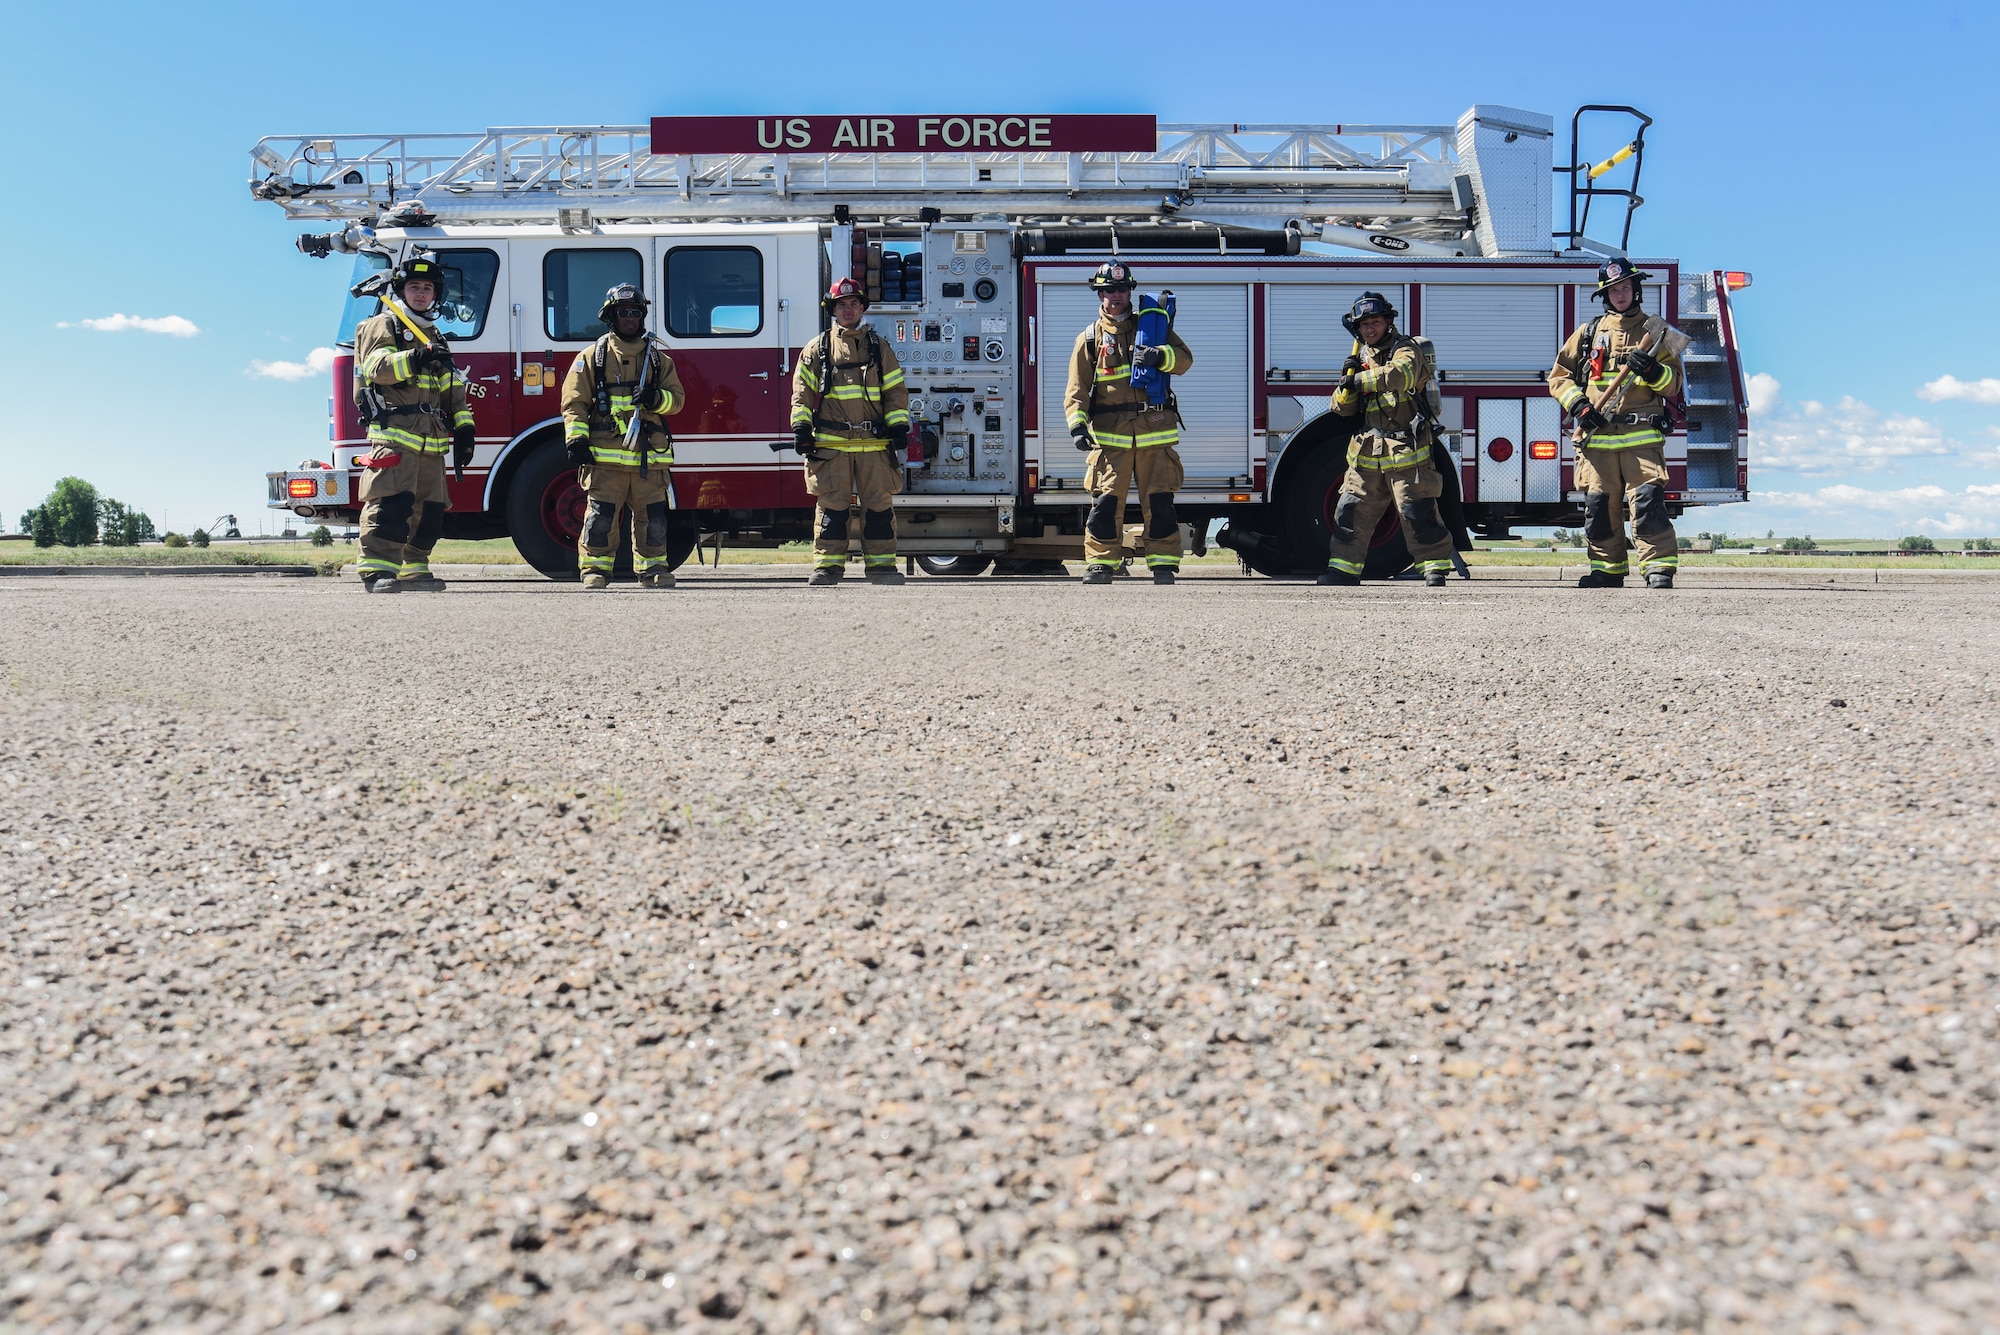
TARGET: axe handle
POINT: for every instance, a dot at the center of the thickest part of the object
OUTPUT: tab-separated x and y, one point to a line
1579	436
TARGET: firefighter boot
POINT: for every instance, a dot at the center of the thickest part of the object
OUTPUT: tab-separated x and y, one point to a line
825	577
1097	574
1597	579
881	574
423	582
595	582
384	583
657	579
1660	579
1434	579
1337	577
1163	574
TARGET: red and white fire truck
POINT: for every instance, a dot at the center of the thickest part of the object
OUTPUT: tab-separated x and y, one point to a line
975	236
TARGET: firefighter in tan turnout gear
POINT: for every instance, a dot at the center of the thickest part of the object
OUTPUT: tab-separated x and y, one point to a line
409	389
1130	439
621	374
1613	377
1389	459
851	422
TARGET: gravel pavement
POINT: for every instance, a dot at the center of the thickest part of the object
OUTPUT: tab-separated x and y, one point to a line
999	955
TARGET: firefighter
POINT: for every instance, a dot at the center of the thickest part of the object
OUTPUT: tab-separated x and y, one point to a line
851	423
1129	439
414	399
1621	466
622	371
1389	456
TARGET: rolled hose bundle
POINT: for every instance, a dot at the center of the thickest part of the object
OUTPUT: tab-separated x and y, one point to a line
1156	324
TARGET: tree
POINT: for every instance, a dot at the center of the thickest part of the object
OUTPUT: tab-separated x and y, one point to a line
1982	544
1916	542
43	526
322	536
173	540
1805	544
199	537
72	509
111	516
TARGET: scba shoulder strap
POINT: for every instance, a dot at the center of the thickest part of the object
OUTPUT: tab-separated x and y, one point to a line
826	369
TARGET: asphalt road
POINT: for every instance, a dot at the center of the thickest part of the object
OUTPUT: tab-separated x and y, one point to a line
999	955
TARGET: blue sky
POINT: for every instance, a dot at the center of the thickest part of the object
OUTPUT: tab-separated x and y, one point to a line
1839	152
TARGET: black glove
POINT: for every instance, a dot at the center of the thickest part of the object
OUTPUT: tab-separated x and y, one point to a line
1080	436
437	357
461	446
577	451
1644	364
651	397
802	439
1590	419
899	439
1351	382
1351	365
1149	357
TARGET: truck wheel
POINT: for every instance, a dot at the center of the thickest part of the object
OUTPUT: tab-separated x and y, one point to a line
954	567
545	510
1307	507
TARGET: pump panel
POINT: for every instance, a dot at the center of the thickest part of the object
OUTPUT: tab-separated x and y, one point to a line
959	347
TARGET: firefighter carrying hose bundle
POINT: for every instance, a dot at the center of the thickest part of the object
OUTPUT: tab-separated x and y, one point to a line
1131	437
413	398
1613	377
1385	382
851	423
620	461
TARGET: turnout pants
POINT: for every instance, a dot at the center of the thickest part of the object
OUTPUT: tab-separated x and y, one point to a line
402	513
1617	482
840	479
1156	471
607	487
1367	493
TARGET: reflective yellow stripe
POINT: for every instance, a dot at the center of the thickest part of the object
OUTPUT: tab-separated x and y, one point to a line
1610	567
1155	562
806	376
1625	440
894	378
1345	567
618	454
1077	417
596	565
848	446
372	565
405	440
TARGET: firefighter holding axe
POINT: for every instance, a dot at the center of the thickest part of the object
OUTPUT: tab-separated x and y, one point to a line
412	396
1614	377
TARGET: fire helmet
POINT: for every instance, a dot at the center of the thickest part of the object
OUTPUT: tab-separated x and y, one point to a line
1366	305
846	287
421	266
1113	277
625	294
1615	271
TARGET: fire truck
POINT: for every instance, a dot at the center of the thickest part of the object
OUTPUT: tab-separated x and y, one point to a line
975	236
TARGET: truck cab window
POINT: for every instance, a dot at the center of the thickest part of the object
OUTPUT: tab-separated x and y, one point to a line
358	309
573	286
714	291
469	276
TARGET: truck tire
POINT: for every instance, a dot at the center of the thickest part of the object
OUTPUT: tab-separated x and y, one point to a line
954	567
544	508
1306	509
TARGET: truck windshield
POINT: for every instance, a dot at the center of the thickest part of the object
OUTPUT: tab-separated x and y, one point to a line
358	309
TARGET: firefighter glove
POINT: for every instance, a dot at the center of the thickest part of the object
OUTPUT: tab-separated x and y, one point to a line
651	397
437	357
461	446
1644	364
899	439
1149	357
802	439
1350	382
1350	366
1080	435
1589	418
577	451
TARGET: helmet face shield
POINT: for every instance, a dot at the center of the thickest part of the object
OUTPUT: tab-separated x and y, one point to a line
623	302
1369	305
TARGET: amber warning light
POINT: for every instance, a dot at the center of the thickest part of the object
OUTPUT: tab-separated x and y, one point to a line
302	488
904	134
1541	449
1735	280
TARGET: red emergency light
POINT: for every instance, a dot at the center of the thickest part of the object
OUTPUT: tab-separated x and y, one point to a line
1735	279
1541	449
1500	451
302	488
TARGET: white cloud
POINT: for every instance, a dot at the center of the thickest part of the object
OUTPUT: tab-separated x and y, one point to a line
1951	387
179	326
1847	437
318	362
1859	512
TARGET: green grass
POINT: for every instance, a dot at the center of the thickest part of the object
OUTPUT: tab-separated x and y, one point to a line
27	554
1525	556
